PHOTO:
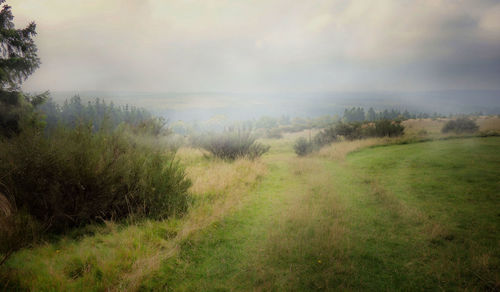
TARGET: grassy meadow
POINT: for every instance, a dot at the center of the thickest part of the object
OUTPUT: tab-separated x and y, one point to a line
373	214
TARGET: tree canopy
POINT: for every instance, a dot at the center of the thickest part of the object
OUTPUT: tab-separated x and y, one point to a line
18	60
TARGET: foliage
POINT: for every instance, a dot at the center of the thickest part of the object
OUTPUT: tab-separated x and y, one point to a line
388	128
325	137
18	52
302	146
76	176
354	115
231	144
97	112
460	125
349	131
18	60
357	114
352	131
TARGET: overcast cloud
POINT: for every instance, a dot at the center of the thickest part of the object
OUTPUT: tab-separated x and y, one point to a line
264	46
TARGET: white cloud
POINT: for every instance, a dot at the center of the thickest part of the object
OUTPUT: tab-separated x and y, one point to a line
224	45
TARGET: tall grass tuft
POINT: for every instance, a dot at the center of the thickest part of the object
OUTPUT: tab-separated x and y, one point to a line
232	144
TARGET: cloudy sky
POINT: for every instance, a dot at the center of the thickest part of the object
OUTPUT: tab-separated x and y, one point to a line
264	46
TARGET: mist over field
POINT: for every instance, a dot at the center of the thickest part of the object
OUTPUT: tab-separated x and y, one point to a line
238	107
267	50
250	145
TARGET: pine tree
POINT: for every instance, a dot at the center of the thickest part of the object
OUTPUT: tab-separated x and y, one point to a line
371	115
18	60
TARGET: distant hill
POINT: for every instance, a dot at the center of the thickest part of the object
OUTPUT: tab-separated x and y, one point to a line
238	106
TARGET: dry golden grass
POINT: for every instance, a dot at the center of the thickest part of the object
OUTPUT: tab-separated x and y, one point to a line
220	176
489	123
423	126
434	126
339	150
219	187
190	156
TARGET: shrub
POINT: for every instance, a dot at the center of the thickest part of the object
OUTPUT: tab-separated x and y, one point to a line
349	131
16	112
231	145
302	146
388	128
325	137
75	176
460	125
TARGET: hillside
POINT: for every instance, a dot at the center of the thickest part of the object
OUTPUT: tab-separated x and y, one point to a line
400	217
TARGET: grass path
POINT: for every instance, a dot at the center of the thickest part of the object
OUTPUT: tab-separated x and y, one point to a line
314	224
410	217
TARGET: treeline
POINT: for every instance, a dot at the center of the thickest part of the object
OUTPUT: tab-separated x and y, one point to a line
97	112
354	114
273	127
358	114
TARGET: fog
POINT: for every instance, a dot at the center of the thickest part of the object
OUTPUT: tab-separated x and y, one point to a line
204	55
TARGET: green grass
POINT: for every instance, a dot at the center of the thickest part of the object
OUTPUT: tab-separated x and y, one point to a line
406	217
421	216
436	209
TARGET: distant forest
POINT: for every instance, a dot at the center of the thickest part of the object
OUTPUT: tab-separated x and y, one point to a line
97	113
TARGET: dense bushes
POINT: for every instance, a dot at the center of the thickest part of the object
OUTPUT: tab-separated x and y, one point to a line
76	176
349	131
352	131
302	146
460	125
16	111
388	128
231	144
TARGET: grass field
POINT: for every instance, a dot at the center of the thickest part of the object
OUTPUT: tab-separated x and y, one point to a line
422	216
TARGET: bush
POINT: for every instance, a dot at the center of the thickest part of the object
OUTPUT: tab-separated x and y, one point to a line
460	125
16	112
325	137
75	176
302	146
388	128
231	145
349	131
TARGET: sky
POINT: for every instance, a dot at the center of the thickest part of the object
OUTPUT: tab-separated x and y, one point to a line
263	46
